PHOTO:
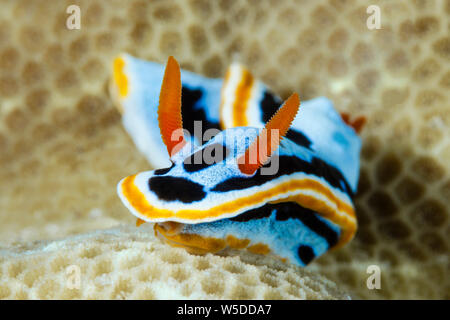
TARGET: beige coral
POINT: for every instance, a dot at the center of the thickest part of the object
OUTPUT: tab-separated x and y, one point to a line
125	263
63	148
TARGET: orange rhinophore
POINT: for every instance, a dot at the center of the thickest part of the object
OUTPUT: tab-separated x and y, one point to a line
269	139
169	110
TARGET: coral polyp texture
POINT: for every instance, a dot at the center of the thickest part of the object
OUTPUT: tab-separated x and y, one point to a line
63	148
123	263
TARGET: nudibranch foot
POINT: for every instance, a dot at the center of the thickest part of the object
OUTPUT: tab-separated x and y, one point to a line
193	243
198	244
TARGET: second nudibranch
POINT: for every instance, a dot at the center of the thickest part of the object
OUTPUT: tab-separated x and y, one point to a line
264	179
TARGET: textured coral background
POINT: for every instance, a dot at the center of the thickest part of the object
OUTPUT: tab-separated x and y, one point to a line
63	149
125	263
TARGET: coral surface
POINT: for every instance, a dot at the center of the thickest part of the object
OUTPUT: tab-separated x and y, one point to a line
63	149
123	263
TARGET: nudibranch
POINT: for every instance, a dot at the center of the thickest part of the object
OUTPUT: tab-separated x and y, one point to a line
240	168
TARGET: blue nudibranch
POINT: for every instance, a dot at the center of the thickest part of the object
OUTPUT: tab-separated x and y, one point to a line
217	189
